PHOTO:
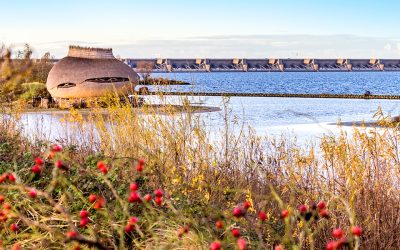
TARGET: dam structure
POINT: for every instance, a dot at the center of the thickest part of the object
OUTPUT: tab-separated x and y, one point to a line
165	65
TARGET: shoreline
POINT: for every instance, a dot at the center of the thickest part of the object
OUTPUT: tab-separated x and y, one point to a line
157	109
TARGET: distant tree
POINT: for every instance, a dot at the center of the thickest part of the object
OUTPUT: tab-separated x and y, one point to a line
13	71
40	69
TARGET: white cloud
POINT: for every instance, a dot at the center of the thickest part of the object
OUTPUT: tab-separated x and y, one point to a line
255	46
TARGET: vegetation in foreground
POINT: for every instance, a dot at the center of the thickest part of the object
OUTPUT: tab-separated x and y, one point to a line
162	182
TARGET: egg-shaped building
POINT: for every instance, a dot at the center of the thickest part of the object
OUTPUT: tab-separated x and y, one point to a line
89	72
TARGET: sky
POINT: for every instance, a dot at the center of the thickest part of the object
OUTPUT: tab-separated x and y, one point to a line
206	28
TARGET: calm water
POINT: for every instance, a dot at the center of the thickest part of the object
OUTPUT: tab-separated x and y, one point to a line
307	119
304	118
289	82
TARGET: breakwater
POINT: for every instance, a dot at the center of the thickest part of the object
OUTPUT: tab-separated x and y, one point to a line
336	96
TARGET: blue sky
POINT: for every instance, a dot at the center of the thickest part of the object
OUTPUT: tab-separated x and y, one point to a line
207	28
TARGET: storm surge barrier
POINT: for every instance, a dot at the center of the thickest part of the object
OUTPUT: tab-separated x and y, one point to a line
165	65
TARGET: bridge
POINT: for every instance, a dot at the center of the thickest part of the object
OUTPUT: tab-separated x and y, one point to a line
165	65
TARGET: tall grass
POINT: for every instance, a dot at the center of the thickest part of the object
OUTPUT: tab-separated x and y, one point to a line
204	176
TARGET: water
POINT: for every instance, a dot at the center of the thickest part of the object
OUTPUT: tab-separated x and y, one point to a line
386	83
307	119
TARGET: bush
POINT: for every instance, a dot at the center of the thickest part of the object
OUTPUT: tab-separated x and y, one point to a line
34	89
92	205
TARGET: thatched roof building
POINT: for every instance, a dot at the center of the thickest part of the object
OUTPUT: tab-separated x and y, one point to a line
90	72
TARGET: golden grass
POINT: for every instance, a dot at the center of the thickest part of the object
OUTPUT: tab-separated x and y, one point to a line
205	177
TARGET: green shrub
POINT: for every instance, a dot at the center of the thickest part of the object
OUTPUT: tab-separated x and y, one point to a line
34	89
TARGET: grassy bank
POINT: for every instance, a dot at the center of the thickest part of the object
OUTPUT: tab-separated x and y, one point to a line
163	182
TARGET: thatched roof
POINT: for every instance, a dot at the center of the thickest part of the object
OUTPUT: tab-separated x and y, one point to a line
90	53
89	72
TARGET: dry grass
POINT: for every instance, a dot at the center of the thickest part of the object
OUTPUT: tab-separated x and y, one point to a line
203	178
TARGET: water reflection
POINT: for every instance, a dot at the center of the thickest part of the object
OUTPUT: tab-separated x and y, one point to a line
307	119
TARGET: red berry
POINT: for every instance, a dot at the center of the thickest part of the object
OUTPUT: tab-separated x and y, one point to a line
147	197
11	177
100	165
7	206
128	228
133	220
39	161
50	155
238	212
158	200
235	232
324	213
262	216
83	214
215	245
15	247
284	213
246	204
182	231
14	227
104	170
337	233
356	231
278	247
134	197
100	202
321	205
92	198
139	168
219	224
84	221
3	177
158	193
2	198
36	169
331	245
71	234
133	186
56	148
59	164
302	208
242	244
3	218
32	193
141	162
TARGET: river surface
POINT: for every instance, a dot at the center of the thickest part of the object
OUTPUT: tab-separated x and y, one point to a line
306	119
385	83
